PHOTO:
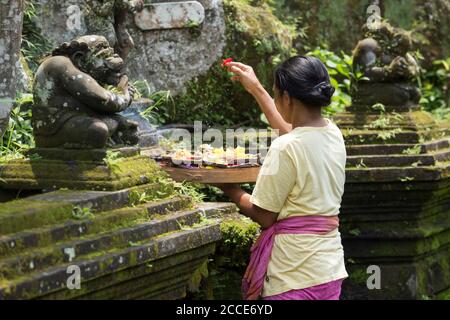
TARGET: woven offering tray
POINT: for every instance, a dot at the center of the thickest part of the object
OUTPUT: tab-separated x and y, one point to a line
211	165
210	175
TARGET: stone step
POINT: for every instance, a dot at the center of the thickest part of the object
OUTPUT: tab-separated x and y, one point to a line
120	284
55	278
398	160
38	259
103	221
396	249
53	207
396	174
414	119
370	227
47	174
97	155
154	225
357	137
386	149
149	285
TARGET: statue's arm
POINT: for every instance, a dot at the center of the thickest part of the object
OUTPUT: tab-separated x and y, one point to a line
86	89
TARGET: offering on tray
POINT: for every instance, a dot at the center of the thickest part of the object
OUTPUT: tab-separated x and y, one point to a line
206	155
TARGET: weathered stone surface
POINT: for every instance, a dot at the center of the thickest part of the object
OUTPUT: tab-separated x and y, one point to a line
166	59
402	227
149	251
47	174
96	155
11	17
170	15
72	108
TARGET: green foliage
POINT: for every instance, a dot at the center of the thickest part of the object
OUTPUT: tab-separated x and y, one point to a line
166	187
340	68
35	45
383	121
191	190
434	85
417	149
18	136
112	159
238	235
387	135
80	213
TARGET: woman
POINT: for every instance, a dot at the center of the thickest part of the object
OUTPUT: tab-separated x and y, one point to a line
296	200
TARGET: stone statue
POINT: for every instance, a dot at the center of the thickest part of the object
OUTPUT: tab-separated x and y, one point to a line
384	58
71	106
108	18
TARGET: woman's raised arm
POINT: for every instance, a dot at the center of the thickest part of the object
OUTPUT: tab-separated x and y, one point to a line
250	82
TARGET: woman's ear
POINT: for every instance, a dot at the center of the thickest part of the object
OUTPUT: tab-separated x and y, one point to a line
287	99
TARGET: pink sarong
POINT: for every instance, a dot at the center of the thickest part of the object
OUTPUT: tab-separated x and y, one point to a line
326	291
261	251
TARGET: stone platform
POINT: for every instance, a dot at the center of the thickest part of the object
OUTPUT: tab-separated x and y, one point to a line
396	207
148	250
103	170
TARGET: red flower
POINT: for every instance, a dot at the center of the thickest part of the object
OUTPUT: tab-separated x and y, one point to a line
226	62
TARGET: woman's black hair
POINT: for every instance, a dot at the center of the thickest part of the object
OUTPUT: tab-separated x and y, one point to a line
305	79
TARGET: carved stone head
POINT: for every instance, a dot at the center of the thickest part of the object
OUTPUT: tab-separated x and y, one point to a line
396	41
93	55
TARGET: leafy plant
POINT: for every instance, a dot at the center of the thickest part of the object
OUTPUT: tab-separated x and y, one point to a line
434	85
34	44
190	190
155	111
417	149
340	68
112	158
238	236
18	136
386	135
80	213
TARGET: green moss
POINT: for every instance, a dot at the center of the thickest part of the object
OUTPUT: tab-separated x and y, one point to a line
238	235
87	175
444	295
197	277
26	214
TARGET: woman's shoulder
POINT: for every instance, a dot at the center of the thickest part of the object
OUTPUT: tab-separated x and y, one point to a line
282	142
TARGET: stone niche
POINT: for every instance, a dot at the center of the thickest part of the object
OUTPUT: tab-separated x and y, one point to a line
396	208
166	58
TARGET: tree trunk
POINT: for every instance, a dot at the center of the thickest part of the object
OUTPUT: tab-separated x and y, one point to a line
11	18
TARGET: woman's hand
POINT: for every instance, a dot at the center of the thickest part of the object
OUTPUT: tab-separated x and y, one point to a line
249	80
246	76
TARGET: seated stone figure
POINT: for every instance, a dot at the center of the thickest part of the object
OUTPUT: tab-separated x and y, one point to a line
384	58
71	106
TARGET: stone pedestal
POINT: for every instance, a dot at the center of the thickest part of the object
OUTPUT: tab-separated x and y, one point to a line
127	232
396	207
94	169
149	250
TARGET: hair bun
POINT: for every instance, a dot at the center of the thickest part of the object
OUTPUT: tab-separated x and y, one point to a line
325	89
